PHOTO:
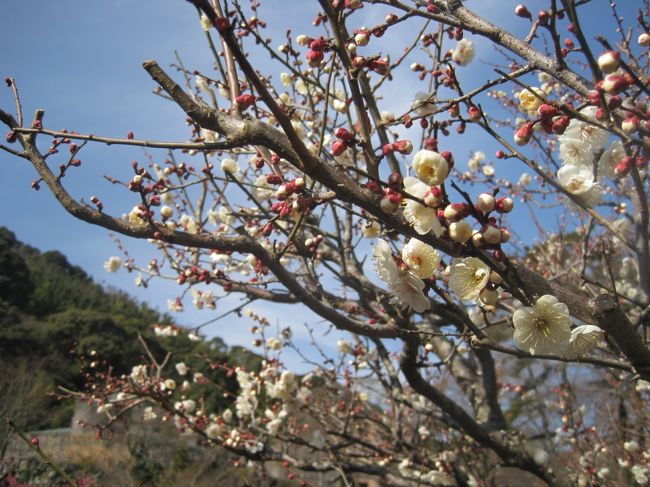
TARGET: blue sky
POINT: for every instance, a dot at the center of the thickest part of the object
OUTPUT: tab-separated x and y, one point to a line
81	61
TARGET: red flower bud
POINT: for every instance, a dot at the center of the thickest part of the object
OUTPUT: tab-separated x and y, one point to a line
387	149
546	111
314	58
522	11
274	179
343	134
245	101
338	147
560	124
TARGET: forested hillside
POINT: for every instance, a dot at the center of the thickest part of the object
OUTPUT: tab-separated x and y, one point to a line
52	313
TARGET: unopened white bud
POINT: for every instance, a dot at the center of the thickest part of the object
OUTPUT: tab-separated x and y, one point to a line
491	234
460	231
485	202
166	211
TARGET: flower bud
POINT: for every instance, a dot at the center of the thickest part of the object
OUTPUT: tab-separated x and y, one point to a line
314	58
488	297
166	212
390	18
245	101
614	83
546	111
542	17
302	40
460	231
560	124
624	166
504	205
432	198
630	124
524	133
495	278
485	202
361	39
644	39
505	235
474	113
338	147
608	61
403	146
491	234
522	11
388	204
456	211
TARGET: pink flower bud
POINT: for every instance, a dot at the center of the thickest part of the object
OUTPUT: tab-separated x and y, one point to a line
560	124
387	149
267	229
524	133
608	61
314	58
403	146
546	111
474	113
390	18
614	83
624	166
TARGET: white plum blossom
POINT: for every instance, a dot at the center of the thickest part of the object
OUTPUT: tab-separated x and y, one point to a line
594	137
344	347
614	154
463	53
135	216
525	179
423	104
584	338
202	83
139	374
181	368
213	431
229	166
576	179
371	229
468	277
406	287
544	328
430	167
579	181
113	264
422	218
575	152
422	259
189	224
203	299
